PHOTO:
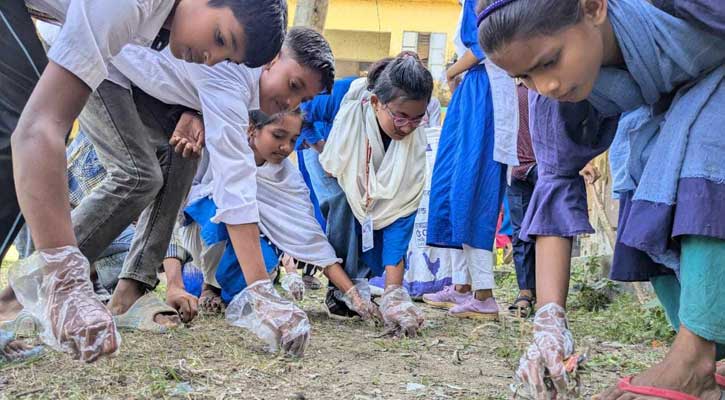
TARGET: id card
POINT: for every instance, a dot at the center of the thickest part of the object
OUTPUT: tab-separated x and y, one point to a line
367	234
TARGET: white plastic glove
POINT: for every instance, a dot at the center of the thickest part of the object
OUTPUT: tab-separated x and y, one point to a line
553	344
274	319
294	285
54	287
359	299
400	315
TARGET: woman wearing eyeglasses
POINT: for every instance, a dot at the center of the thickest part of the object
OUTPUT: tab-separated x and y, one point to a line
467	186
376	151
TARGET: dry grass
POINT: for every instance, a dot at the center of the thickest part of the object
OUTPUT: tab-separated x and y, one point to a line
453	359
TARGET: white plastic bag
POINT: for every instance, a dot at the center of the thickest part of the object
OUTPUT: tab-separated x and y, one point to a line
429	268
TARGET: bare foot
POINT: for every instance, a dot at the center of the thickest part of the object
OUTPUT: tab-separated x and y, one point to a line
687	368
210	301
9	305
127	292
15	350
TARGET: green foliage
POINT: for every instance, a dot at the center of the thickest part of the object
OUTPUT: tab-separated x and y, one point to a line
624	321
599	309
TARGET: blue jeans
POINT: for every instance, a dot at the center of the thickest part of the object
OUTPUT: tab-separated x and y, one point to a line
146	180
313	195
340	220
519	195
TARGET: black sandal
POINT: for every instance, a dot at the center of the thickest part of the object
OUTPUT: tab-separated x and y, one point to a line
522	312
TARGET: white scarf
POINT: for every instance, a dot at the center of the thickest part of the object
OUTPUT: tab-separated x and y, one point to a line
286	215
394	184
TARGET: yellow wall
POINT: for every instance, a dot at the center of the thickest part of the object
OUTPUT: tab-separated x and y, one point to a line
358	45
389	16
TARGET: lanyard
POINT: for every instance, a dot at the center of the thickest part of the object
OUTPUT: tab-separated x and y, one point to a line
368	158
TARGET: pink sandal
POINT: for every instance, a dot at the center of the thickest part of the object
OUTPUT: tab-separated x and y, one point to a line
625	385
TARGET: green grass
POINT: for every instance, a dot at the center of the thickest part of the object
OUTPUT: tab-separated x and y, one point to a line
599	310
624	321
460	359
6	263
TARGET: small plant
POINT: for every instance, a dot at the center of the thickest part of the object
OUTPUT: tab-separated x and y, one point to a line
624	321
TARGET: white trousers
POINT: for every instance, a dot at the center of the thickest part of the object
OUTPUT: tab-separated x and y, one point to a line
472	266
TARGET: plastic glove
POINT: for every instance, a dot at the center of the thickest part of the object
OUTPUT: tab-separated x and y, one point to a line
553	344
274	319
54	287
400	315
359	299
294	285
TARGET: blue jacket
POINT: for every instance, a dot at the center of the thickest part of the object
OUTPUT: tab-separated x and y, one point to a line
320	112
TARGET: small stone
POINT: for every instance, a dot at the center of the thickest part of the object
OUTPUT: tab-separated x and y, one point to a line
414	387
182	388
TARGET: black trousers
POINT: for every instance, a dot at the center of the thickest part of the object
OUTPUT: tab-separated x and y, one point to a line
22	60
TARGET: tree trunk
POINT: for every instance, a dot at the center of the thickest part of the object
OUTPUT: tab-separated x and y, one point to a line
311	13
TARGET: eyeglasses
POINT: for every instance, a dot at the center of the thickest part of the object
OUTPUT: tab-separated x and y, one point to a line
401	122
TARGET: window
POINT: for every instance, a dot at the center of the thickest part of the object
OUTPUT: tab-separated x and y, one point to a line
437	58
431	48
410	41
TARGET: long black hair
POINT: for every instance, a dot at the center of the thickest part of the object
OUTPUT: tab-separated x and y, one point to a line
401	77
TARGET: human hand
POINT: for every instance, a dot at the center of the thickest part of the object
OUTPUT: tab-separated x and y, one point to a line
319	146
553	344
358	299
293	284
188	136
274	319
590	173
54	287
186	304
453	82
400	315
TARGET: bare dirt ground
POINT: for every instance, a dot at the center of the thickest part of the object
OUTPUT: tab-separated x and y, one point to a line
452	359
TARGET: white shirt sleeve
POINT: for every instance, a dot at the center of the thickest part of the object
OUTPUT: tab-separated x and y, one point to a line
505	114
96	30
231	160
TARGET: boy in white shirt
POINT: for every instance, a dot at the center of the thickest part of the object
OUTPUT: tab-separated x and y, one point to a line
54	285
224	94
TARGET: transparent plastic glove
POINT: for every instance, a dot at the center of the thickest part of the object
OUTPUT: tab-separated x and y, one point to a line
553	344
54	286
274	319
359	299
294	285
400	315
